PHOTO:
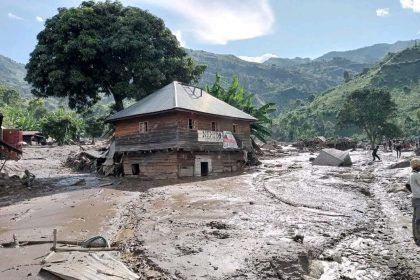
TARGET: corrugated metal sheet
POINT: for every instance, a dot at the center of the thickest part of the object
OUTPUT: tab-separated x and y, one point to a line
178	96
88	266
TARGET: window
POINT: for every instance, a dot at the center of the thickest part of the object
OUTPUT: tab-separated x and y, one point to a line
213	126
235	128
143	127
190	124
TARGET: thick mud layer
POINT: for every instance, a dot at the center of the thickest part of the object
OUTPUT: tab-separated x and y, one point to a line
285	220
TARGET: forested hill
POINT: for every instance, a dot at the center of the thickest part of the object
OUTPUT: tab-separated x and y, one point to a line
399	73
273	82
278	80
12	75
371	54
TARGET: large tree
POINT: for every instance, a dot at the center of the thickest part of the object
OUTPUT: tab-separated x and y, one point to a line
371	110
104	47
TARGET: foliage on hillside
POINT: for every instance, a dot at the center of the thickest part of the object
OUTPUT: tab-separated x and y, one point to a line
398	73
272	81
12	74
370	54
236	96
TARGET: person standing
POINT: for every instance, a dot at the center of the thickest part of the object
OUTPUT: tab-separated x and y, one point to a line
398	149
375	153
414	182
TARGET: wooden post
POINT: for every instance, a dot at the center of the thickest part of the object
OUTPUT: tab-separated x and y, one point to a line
54	240
15	241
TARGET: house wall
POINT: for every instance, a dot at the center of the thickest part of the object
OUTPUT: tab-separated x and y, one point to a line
171	131
166	165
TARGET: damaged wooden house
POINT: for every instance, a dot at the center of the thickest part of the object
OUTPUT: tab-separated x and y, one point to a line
181	131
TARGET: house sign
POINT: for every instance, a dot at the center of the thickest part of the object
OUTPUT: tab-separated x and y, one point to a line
225	137
210	136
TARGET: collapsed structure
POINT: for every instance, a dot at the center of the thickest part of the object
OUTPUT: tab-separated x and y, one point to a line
333	157
181	131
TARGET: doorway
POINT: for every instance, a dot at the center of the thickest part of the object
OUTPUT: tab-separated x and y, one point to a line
204	168
135	169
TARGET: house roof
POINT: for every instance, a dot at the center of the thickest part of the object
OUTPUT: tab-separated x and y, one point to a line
178	96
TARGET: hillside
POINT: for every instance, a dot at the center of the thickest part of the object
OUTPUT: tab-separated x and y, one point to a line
399	73
371	54
273	81
12	74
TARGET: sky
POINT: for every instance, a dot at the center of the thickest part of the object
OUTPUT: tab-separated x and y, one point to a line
254	30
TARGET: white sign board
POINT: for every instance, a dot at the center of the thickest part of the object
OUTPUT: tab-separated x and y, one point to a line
225	137
210	136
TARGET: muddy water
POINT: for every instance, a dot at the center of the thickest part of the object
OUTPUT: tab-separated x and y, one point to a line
251	226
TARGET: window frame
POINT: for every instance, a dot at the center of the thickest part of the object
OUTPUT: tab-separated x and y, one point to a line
146	127
214	128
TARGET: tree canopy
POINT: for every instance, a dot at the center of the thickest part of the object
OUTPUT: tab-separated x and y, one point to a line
236	96
104	47
371	110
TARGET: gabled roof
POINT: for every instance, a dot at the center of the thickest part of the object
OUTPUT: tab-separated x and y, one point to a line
177	96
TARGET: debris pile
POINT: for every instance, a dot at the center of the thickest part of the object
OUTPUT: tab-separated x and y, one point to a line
273	150
320	142
82	161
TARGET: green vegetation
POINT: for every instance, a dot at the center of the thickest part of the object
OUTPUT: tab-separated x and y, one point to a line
236	96
370	110
277	80
64	126
398	73
104	47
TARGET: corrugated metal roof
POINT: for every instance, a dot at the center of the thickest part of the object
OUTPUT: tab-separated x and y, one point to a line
88	266
179	96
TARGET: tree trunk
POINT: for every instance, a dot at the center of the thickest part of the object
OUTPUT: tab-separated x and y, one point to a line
118	106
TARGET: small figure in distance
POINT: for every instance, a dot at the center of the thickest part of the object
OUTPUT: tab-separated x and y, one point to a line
398	149
375	153
414	186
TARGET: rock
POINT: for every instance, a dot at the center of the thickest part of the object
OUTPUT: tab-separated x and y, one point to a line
392	264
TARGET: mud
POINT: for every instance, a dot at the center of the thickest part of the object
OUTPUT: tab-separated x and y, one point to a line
284	220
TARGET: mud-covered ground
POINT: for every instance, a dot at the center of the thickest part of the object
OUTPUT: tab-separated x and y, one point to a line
294	221
284	220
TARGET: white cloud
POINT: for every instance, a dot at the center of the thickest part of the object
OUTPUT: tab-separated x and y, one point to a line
178	35
258	59
13	16
40	19
382	12
411	4
221	21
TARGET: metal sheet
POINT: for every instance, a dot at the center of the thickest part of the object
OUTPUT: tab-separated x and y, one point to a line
179	96
88	266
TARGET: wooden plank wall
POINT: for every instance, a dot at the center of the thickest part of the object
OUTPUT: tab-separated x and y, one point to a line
171	131
166	165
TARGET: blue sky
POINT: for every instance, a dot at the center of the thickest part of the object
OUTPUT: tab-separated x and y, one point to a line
252	29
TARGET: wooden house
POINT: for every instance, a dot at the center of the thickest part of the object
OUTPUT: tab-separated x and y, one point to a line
181	131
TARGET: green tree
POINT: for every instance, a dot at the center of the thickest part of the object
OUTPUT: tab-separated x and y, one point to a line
104	47
369	109
8	96
64	126
236	96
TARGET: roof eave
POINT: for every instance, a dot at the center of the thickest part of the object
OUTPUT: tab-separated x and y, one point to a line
179	110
